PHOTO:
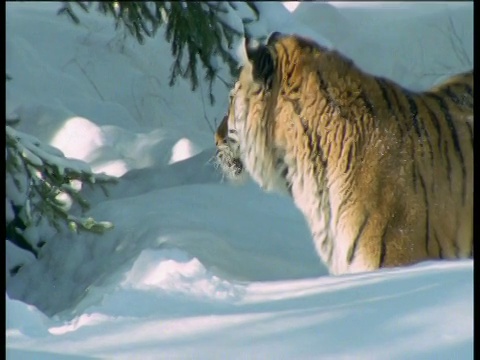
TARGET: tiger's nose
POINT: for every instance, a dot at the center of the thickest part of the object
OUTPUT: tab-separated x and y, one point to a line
220	139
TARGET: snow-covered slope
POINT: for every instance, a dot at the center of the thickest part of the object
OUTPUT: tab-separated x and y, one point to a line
195	267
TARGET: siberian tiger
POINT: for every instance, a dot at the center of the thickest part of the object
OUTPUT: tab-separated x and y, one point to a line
383	175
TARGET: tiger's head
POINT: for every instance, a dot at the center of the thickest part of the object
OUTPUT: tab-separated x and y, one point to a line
227	157
240	137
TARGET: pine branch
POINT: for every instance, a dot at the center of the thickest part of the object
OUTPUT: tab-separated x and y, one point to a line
195	30
39	174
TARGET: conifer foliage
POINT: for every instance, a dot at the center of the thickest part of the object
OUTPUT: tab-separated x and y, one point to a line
39	179
199	30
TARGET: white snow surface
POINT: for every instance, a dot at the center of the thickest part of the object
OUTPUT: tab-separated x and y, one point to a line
196	268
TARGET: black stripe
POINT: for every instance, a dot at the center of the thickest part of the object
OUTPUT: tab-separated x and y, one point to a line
427	215
456	250
315	145
331	103
467	100
325	239
289	189
462	97
451	126
414	175
440	141
470	131
296	106
330	253
327	119
311	141
342	130
343	134
284	175
323	85
281	166
440	252
449	165
413	113
360	131
392	105
402	111
383	247
436	127
345	201
328	149
353	249
382	85
435	122
417	122
456	144
468	89
349	158
454	97
367	103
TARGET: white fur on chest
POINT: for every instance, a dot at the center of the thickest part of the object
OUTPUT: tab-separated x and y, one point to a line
319	206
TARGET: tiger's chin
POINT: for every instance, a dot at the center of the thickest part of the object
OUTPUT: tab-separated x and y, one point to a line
230	165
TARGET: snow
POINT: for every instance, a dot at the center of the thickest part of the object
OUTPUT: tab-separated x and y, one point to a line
196	267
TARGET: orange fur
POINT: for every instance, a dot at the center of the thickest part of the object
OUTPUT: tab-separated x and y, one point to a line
383	175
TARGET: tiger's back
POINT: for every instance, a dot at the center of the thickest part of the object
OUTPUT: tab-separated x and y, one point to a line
383	175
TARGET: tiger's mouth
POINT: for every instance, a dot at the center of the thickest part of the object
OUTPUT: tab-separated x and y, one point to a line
229	162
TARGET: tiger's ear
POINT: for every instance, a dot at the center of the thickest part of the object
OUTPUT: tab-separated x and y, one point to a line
261	58
274	37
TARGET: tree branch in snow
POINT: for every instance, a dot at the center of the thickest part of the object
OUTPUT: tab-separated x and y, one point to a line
199	32
37	177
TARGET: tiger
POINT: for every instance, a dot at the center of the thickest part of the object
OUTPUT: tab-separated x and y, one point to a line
382	174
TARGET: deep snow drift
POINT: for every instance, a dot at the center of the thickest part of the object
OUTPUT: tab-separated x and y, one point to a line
195	267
